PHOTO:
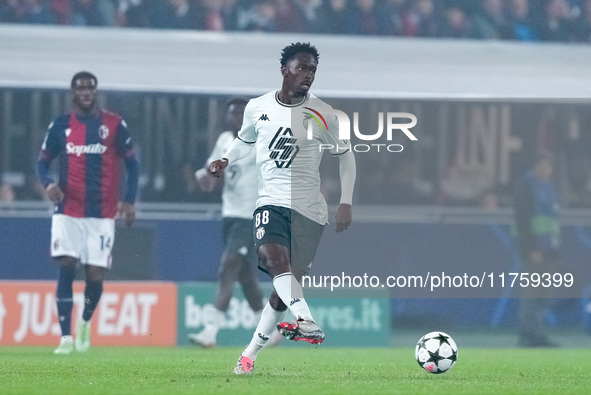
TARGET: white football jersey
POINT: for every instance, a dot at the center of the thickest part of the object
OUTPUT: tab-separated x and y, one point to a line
240	180
289	148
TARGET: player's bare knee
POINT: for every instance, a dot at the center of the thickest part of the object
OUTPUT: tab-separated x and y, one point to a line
276	303
67	261
273	261
95	274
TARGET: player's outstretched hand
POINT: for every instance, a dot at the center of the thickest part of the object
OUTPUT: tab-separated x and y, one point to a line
343	217
217	167
127	212
205	180
55	193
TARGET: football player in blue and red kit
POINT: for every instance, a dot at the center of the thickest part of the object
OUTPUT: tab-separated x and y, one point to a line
88	143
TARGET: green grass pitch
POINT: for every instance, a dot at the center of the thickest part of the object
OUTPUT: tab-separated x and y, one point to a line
306	370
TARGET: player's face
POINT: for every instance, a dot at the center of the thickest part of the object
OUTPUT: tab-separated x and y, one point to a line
299	73
84	93
234	116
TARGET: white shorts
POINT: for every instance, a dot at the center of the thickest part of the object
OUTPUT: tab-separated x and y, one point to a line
88	239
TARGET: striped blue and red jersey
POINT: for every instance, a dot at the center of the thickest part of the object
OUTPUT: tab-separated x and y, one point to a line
88	149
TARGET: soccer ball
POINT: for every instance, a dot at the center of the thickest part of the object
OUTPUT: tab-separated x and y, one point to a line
436	352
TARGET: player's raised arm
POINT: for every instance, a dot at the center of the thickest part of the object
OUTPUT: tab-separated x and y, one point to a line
348	173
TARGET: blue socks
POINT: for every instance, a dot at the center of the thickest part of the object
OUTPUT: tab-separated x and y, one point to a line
65	301
92	294
64	298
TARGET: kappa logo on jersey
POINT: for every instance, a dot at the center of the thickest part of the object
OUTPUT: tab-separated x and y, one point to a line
260	232
283	148
264	117
78	150
103	132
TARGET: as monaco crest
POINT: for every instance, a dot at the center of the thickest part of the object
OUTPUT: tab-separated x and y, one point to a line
103	132
260	232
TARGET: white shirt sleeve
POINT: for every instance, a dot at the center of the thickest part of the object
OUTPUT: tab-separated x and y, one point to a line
348	173
238	150
247	136
248	132
332	136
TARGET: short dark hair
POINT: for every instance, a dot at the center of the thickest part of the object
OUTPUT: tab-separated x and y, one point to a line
293	49
85	75
236	100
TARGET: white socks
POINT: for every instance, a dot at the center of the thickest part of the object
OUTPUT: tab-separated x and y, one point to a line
212	324
291	293
265	329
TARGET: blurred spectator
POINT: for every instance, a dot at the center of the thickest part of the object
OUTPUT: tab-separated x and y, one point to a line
260	17
363	18
7	8
93	12
538	235
132	13
490	22
310	11
406	186
230	11
174	14
556	24
553	20
419	20
337	16
7	195
390	17
289	17
33	11
463	185
62	10
212	15
455	24
583	22
521	24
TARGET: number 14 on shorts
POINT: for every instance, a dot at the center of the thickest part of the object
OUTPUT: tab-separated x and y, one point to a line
105	242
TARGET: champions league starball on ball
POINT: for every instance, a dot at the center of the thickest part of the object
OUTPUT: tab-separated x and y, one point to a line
436	352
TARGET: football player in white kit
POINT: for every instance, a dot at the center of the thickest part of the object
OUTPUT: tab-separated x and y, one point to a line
289	129
238	203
